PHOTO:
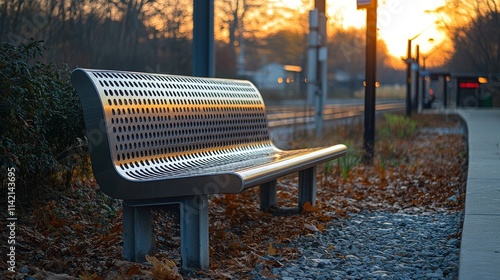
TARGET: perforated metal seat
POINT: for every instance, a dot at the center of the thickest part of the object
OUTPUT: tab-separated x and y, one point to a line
146	128
157	139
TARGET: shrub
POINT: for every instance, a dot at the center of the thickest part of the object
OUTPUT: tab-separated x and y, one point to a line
351	159
41	121
347	162
397	126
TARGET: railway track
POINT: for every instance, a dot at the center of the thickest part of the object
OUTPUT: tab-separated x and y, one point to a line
280	116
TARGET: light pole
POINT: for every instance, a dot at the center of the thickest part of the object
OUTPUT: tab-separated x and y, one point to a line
424	57
443	76
409	62
370	77
416	69
317	62
408	79
203	38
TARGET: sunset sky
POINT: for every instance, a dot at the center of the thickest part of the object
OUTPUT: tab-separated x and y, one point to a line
398	21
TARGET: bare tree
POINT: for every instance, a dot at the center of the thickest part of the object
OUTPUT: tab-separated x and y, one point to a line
247	23
170	31
232	14
286	46
474	28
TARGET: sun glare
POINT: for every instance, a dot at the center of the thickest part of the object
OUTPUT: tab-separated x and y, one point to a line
401	20
398	21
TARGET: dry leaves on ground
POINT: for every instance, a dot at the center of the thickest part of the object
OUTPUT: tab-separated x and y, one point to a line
79	234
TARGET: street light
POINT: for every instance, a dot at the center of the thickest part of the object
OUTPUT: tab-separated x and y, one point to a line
445	76
370	76
430	40
409	61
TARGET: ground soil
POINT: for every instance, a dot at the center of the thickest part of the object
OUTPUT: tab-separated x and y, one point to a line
79	234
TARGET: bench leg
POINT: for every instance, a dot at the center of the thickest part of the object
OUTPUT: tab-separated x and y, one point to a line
268	195
137	233
194	232
307	187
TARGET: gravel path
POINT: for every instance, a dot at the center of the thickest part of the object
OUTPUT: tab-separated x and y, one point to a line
380	245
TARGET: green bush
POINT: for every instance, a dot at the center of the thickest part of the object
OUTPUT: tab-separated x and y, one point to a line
351	159
347	162
41	121
397	126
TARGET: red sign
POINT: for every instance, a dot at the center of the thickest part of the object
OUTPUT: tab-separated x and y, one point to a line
468	85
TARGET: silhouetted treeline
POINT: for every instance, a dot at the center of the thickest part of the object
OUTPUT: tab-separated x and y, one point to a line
131	35
155	36
474	29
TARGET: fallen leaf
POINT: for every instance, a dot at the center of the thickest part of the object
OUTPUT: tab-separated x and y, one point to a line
308	207
163	269
84	276
311	227
271	250
133	270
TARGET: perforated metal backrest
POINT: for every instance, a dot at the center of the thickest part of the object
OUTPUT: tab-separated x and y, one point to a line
164	123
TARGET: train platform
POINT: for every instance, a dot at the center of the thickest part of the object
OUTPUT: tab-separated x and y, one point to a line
480	245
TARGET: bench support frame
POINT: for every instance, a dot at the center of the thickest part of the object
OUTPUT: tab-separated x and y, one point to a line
268	195
307	193
307	187
138	238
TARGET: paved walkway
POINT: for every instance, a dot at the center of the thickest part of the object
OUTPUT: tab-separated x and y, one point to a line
480	248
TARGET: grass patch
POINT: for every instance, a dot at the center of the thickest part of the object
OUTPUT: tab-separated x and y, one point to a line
394	132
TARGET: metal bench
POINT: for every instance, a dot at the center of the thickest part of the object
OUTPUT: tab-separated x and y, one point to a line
161	139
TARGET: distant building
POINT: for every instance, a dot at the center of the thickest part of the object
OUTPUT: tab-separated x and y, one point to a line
267	76
275	76
342	76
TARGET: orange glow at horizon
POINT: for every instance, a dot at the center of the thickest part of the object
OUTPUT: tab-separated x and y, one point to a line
398	21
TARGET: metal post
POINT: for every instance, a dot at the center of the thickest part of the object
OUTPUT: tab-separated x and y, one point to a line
268	195
414	87
138	238
317	63
321	75
194	231
424	89
203	38
445	91
370	69
408	79
312	56
417	77
320	5
409	60
307	187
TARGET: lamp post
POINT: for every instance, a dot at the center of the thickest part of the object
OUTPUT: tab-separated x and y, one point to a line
409	62
424	57
370	77
408	79
317	62
203	38
444	77
416	69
